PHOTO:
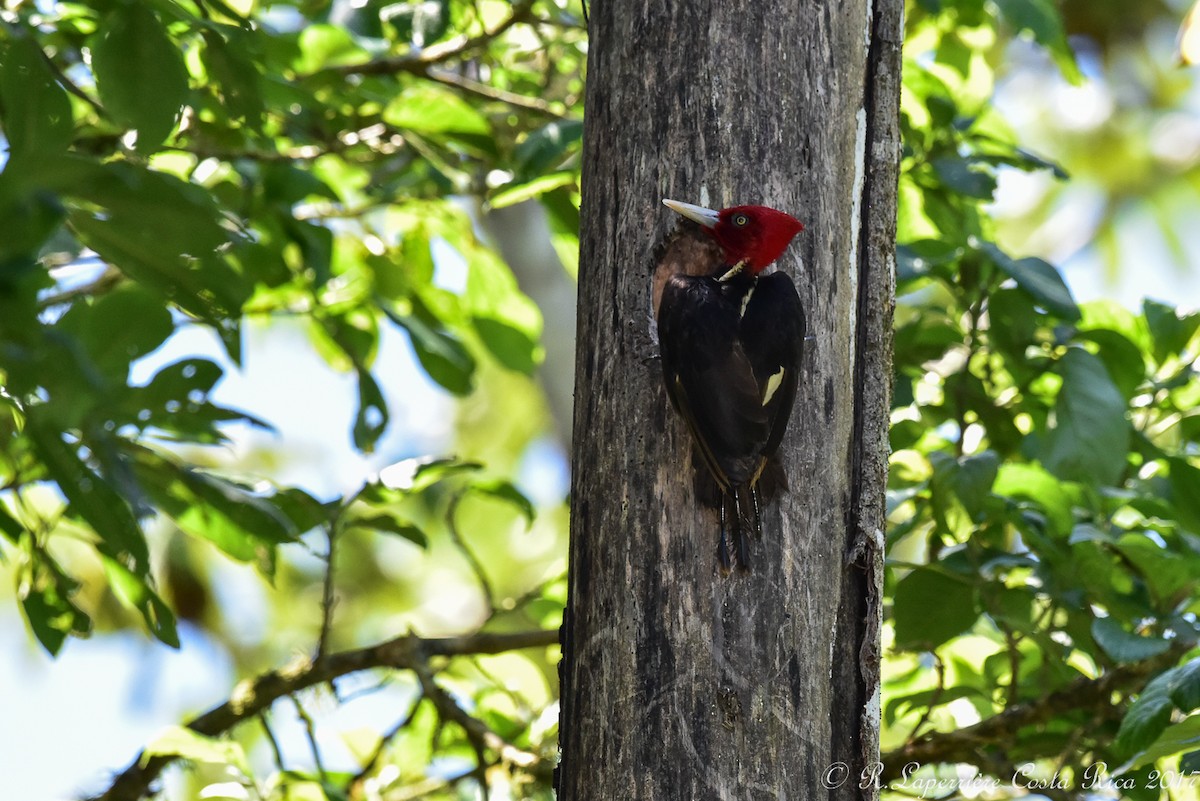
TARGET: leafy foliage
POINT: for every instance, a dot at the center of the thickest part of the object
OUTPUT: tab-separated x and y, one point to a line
1040	530
198	163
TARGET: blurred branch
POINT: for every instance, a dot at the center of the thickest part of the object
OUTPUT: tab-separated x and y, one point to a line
478	733
72	87
106	281
417	63
253	696
977	745
492	93
355	790
270	735
328	601
940	669
473	562
310	733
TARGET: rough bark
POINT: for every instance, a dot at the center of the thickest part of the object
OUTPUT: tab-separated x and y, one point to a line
680	682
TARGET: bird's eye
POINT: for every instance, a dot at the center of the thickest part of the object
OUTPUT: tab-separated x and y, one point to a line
740	220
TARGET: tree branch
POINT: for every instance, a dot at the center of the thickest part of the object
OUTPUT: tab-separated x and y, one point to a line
489	92
106	281
972	744
417	63
253	696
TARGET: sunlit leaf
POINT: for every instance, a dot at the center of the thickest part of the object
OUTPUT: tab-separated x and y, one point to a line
1089	438
371	419
930	607
134	590
442	355
45	592
511	194
37	117
1124	646
90	495
433	110
1150	713
506	491
140	73
178	741
1040	280
1042	19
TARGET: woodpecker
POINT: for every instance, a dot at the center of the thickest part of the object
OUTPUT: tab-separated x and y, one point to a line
731	339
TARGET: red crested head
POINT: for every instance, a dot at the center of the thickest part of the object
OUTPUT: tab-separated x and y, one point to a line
756	235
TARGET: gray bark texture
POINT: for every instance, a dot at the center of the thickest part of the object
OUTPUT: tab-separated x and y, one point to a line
680	682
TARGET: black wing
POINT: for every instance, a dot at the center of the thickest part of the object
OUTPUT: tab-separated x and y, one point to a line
711	379
772	332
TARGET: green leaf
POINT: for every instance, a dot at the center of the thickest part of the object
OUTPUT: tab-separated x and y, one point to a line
163	233
325	45
120	327
970	478
1124	646
1171	333
37	117
546	148
1184	481
247	527
140	255
90	495
1038	279
1031	482
371	419
1124	362
9	526
511	345
506	491
508	322
514	193
433	110
45	593
388	523
140	73
1175	738
134	591
930	607
433	471
442	355
178	741
236	76
1171	575
955	53
963	177
1041	18
1089	438
27	222
1185	686
926	699
1148	716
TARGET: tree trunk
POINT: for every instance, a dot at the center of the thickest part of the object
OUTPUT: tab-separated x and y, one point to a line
680	682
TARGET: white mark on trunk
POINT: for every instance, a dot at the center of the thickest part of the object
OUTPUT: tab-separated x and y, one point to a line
704	194
856	198
832	645
872	711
